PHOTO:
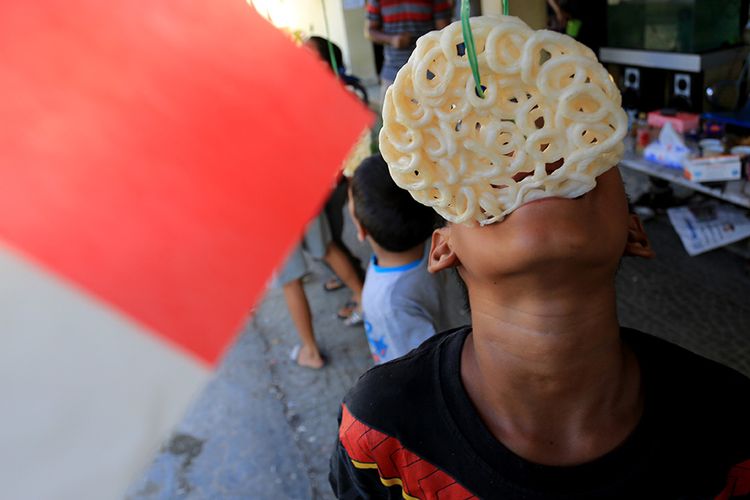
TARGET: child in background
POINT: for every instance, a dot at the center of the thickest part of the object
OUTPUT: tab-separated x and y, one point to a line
334	207
403	304
317	242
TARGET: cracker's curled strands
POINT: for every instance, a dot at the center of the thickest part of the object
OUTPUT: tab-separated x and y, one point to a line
547	100
504	45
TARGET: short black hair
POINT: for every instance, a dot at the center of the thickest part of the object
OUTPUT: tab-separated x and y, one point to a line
395	220
321	47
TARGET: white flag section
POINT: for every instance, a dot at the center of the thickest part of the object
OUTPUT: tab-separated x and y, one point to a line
87	395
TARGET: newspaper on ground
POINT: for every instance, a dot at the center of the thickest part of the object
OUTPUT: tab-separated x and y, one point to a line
708	226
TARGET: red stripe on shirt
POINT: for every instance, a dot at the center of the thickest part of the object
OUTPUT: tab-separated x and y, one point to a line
443	7
439	10
738	482
419	478
407	16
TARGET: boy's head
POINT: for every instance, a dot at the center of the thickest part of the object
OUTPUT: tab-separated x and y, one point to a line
527	164
319	45
385	212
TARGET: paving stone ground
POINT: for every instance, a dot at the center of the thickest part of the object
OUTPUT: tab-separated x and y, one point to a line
264	428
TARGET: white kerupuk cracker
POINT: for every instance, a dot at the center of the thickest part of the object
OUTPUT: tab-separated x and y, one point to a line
549	106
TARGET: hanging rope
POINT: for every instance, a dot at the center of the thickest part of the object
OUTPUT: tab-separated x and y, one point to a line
471	51
331	53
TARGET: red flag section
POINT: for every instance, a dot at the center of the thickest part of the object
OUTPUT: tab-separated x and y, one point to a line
165	154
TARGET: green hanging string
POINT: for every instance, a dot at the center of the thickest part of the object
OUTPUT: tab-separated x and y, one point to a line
471	51
328	39
506	10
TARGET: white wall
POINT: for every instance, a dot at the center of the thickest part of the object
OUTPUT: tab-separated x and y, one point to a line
345	28
533	12
361	60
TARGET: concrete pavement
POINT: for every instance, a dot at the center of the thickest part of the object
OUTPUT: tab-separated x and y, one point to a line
264	427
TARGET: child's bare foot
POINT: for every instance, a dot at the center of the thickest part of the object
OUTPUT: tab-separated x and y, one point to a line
308	357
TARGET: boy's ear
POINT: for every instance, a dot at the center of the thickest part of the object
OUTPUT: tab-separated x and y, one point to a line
361	232
442	255
638	244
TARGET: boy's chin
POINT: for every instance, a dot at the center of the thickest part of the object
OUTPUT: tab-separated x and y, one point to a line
552	263
554	242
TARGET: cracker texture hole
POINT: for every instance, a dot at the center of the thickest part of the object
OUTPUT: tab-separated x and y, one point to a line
522	175
551	167
544	56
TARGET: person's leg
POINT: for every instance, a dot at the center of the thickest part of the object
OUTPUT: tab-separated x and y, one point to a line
299	310
334	211
319	243
290	278
336	258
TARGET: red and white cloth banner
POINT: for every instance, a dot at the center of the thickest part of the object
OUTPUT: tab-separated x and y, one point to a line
157	160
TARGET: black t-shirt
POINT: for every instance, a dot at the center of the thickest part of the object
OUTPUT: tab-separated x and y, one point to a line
409	430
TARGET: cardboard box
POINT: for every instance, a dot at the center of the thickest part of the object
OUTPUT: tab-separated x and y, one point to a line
682	122
713	168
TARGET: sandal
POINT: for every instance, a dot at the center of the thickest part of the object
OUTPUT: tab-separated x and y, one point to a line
333	284
354	319
347	309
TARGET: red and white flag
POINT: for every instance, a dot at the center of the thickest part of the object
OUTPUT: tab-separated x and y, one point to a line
157	160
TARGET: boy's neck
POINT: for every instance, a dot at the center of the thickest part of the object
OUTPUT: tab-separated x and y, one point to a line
547	370
386	258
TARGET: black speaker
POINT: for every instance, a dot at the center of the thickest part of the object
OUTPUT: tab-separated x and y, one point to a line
642	88
685	92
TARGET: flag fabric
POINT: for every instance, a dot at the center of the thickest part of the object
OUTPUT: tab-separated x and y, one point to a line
157	160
